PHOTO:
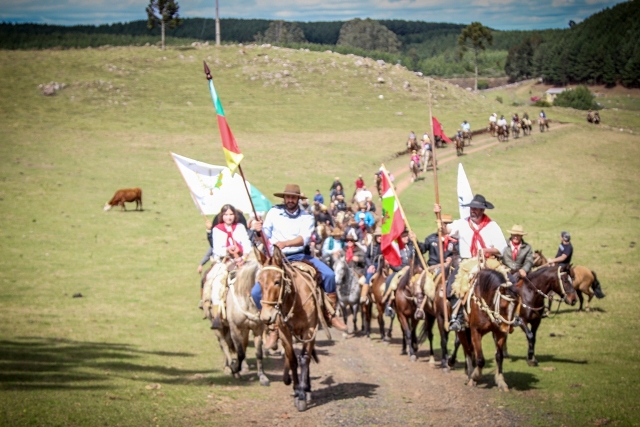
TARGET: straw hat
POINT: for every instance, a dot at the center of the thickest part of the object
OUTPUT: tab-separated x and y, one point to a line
336	233
290	190
378	231
517	230
323	208
446	218
350	238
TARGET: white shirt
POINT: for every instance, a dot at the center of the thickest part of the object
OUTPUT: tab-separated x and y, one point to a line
425	137
502	122
492	119
220	242
491	234
280	226
361	196
466	127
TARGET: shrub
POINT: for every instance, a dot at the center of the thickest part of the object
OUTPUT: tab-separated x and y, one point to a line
542	104
579	98
499	99
483	84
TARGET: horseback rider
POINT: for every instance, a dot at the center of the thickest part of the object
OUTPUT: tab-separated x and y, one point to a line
503	123
565	251
331	244
415	158
406	255
365	215
518	255
466	127
323	216
515	120
372	258
412	137
340	204
492	119
449	245
354	255
525	116
290	228
476	233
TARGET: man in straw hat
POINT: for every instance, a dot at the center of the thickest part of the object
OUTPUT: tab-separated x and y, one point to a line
289	228
518	255
476	233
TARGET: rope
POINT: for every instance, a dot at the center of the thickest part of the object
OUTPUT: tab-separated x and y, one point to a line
249	316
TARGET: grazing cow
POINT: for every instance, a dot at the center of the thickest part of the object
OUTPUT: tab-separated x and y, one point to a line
125	195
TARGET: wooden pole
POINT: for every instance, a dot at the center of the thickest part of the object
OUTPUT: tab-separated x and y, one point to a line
406	222
443	289
217	25
253	208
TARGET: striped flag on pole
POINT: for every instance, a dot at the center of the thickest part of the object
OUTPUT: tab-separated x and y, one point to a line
232	153
392	223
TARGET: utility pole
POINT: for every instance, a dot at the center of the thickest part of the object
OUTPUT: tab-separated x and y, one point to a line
217	25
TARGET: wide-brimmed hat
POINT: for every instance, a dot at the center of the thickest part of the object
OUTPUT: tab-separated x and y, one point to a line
362	205
378	231
479	202
303	197
290	190
446	218
323	208
350	237
337	178
517	230
336	233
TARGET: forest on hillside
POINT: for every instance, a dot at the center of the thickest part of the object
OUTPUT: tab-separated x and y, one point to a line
603	48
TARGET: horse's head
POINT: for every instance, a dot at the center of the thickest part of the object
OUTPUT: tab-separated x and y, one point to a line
416	286
538	259
274	287
339	265
564	285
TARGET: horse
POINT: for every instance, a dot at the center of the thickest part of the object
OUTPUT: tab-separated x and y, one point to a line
426	159
491	305
459	144
534	289
292	302
379	184
414	167
593	118
408	298
543	123
241	317
526	127
585	281
348	288
466	136
503	133
412	144
493	128
516	130
376	292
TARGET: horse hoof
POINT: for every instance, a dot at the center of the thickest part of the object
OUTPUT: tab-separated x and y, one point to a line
413	358
264	381
308	397
227	370
432	361
532	362
446	370
301	405
385	342
236	375
472	383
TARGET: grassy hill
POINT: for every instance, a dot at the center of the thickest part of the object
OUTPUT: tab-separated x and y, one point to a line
300	117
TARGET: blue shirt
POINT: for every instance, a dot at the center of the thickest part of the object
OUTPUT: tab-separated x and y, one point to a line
280	225
369	220
318	198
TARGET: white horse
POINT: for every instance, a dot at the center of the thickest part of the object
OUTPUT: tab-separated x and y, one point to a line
347	287
242	316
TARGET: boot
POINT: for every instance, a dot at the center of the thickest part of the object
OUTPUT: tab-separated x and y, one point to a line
336	322
388	310
457	323
271	343
364	294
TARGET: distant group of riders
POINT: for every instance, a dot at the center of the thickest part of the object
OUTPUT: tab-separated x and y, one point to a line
502	129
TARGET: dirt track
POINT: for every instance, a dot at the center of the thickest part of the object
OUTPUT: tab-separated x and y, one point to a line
361	381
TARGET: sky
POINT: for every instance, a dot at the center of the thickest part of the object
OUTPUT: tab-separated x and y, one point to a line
497	14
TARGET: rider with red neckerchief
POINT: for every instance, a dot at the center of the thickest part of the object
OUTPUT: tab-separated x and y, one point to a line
478	232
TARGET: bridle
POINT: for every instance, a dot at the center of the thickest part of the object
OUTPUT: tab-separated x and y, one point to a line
285	289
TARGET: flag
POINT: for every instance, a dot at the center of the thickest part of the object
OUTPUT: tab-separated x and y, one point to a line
213	186
392	223
464	192
437	131
232	153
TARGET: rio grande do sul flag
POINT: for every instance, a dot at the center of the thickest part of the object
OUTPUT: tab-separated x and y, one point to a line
232	153
392	223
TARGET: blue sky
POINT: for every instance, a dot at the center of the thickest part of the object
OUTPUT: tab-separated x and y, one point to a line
498	14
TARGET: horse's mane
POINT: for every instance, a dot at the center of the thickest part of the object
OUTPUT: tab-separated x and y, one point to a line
246	278
493	282
538	272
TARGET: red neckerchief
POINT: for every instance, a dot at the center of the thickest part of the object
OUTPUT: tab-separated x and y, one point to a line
515	250
349	253
230	240
447	240
477	238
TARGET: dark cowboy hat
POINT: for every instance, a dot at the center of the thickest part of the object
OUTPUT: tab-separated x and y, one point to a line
479	202
290	190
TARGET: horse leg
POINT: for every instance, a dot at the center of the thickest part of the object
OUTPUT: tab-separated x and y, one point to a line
476	342
430	320
226	345
444	340
366	319
500	339
300	391
393	316
588	309
531	358
580	297
464	338
290	361
414	337
238	342
406	334
454	354
257	342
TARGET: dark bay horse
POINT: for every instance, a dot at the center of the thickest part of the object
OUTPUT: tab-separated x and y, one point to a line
292	302
376	292
408	297
491	307
534	290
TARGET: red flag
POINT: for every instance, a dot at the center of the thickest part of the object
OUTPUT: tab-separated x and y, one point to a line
437	131
392	224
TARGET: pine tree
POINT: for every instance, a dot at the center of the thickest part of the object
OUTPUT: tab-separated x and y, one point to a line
475	37
163	12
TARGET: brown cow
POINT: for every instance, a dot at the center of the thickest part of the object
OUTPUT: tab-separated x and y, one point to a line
125	195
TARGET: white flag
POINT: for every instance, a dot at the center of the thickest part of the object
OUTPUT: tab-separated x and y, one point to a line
464	192
213	186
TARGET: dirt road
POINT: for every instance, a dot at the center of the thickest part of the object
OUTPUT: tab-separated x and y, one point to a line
361	381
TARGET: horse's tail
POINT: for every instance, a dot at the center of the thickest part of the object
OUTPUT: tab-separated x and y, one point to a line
597	289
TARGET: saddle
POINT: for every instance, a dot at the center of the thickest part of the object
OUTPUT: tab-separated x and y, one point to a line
394	283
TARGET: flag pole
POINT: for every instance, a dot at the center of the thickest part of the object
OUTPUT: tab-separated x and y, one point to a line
404	218
253	208
443	290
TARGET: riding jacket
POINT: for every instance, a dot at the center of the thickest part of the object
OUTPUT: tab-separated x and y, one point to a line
524	258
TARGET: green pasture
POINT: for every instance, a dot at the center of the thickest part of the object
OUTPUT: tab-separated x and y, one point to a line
98	359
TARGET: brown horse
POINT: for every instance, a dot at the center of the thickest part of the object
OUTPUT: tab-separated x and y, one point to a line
491	307
466	137
459	144
376	292
379	184
534	290
292	303
408	297
414	167
585	281
503	133
493	128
